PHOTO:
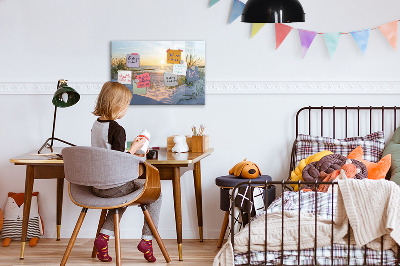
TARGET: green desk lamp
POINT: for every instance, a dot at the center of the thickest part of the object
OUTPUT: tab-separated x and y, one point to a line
65	96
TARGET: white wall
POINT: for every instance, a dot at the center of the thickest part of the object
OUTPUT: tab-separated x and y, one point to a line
42	41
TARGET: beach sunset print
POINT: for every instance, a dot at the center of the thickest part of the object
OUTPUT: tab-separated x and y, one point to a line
176	70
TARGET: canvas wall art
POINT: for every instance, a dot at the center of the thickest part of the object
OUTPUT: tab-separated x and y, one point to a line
160	72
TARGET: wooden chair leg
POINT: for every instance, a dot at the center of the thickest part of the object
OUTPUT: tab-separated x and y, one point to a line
101	222
154	230
117	239
73	237
223	229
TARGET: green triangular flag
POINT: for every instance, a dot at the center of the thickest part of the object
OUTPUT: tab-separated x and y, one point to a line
332	41
213	2
256	27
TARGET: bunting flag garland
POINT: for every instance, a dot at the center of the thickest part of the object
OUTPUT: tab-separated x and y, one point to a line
389	30
256	27
306	39
332	41
361	37
281	31
213	2
237	9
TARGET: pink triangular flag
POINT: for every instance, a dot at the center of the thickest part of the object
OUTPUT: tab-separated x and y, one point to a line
306	39
281	31
389	30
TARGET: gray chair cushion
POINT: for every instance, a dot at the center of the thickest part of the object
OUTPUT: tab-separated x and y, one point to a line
84	196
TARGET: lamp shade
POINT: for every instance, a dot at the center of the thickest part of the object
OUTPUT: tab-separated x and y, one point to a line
273	11
65	96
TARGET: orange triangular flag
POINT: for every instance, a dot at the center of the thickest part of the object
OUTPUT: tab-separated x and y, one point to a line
281	31
389	30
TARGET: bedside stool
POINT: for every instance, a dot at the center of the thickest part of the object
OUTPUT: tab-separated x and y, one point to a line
228	182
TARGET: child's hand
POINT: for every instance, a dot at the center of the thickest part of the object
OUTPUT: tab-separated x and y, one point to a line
137	144
142	155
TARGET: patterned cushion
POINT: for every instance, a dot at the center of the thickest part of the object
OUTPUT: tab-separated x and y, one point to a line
372	144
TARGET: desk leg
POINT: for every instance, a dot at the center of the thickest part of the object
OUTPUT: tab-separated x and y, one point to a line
60	190
27	206
176	183
199	204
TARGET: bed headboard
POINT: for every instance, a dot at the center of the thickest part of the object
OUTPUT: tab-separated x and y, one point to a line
344	121
347	115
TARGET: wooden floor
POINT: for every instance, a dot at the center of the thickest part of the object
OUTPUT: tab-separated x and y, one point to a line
50	252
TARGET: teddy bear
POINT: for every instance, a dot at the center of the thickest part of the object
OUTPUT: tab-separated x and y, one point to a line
180	144
245	169
13	215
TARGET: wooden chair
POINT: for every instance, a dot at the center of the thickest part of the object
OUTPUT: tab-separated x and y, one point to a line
85	167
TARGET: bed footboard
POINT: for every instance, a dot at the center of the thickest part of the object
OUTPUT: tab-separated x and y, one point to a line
310	254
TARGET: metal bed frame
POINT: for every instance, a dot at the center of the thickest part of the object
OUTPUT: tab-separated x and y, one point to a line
283	184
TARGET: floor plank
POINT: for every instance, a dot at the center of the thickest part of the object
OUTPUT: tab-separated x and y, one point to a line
49	252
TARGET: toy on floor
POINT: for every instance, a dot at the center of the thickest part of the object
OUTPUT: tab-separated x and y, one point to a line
13	215
245	169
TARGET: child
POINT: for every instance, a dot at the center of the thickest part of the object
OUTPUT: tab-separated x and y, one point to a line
112	103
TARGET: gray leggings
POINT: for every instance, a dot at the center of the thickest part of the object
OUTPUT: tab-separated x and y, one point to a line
154	208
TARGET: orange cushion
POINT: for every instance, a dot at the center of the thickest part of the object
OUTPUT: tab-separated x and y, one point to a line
375	170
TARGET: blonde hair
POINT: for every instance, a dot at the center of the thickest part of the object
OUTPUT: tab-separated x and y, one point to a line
112	99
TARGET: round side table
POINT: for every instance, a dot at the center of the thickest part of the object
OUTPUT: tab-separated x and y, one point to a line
228	182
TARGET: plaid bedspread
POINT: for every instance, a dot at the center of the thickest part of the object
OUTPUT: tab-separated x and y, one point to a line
324	257
307	202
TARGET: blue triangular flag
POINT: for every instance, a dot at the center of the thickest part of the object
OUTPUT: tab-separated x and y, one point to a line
332	41
237	9
213	2
361	37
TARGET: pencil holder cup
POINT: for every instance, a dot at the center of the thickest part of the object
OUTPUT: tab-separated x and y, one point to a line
200	143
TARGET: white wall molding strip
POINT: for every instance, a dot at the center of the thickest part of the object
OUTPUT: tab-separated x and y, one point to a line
232	87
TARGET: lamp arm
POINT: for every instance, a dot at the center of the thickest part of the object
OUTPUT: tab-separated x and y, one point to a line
54	118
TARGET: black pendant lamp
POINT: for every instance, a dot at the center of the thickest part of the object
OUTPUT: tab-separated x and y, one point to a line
273	11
